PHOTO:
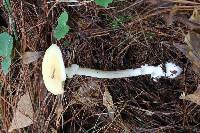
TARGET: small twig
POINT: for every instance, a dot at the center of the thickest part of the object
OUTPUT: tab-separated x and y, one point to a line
131	6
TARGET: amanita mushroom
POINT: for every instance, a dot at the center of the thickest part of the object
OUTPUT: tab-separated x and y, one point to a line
54	72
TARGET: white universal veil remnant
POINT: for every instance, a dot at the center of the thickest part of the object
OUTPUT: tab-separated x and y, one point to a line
54	72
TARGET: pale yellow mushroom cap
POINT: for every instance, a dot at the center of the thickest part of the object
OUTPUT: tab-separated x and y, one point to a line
53	70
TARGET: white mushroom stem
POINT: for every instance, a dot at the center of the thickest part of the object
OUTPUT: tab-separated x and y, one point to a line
156	72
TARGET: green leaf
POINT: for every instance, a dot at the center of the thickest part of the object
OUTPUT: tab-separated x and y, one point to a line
6	64
6	44
60	31
103	3
7	5
12	23
62	28
63	18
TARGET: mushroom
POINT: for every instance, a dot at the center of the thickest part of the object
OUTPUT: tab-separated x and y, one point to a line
54	72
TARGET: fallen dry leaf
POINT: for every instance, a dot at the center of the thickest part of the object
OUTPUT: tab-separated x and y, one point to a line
23	115
159	2
191	51
108	102
192	39
195	16
29	57
182	48
191	97
53	130
195	97
169	18
88	93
